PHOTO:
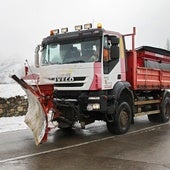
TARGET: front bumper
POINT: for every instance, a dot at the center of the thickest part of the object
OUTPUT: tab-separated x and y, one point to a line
91	102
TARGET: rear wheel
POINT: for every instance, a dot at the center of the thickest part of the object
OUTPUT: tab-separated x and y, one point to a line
165	109
164	114
122	119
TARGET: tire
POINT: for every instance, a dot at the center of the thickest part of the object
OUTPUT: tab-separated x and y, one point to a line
122	120
164	114
165	109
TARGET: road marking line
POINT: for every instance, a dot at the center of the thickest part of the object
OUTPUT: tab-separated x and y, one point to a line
80	144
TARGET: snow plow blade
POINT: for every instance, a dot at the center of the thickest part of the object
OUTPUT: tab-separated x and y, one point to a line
39	103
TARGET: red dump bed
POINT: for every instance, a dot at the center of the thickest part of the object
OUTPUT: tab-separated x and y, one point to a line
148	68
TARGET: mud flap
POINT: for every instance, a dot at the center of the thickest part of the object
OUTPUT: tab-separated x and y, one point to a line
36	117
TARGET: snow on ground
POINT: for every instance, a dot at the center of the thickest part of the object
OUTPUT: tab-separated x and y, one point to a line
12	123
11	90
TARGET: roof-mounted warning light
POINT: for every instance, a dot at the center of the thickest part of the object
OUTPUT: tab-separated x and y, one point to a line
87	26
64	30
78	27
54	32
99	25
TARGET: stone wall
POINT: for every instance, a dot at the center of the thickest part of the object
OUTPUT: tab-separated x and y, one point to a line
13	106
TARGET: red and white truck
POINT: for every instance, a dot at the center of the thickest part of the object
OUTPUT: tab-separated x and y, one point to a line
88	74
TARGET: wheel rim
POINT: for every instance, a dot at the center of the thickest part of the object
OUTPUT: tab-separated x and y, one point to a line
124	118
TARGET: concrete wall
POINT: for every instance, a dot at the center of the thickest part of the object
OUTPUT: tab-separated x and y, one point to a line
13	106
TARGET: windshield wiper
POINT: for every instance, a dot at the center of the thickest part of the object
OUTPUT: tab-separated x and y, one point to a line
56	63
77	61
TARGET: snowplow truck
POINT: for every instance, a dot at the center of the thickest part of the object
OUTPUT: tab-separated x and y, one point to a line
88	74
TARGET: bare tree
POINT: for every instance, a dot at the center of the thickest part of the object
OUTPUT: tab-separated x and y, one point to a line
168	45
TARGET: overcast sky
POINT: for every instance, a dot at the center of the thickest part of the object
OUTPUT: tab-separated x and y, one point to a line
24	23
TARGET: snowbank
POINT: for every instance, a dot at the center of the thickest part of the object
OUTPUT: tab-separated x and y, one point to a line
11	90
12	123
8	68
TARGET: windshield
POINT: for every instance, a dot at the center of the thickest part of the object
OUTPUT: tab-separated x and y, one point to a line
72	52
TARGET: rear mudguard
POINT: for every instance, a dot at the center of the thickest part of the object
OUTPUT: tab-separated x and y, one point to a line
40	102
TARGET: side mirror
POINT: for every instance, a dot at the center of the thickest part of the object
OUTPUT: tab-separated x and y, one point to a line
114	52
114	40
114	48
36	56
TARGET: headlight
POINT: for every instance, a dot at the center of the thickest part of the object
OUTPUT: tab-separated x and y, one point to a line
93	106
96	106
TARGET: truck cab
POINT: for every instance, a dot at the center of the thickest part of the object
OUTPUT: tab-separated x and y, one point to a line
84	66
91	59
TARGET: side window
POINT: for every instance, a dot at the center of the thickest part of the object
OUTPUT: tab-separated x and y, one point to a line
106	49
110	53
114	47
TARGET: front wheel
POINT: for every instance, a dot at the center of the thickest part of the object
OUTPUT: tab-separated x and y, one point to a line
122	119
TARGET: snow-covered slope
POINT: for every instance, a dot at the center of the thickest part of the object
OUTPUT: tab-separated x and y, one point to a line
8	68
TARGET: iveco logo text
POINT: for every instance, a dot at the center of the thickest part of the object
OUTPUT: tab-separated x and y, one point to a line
61	79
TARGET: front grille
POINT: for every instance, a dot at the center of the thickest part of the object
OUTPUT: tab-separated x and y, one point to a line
68	84
67	94
78	82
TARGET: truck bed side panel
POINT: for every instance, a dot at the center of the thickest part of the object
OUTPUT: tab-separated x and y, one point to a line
147	70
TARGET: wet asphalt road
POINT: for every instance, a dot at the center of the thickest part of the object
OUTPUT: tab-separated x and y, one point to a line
145	147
